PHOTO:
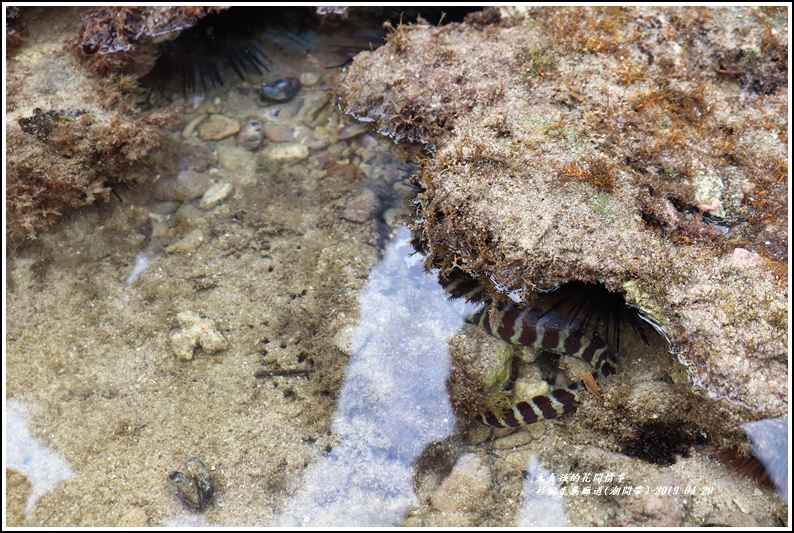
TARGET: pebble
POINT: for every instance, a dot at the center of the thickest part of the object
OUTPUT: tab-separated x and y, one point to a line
196	331
309	79
468	482
186	217
318	144
352	130
279	133
281	90
218	127
239	162
346	173
390	216
514	440
288	152
477	433
191	126
187	244
190	184
745	258
164	208
343	339
215	195
361	207
251	134
290	110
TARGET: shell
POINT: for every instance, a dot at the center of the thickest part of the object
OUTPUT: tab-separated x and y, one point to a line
194	487
251	134
282	90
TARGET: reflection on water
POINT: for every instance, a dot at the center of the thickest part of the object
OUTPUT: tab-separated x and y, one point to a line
770	446
394	402
542	504
25	454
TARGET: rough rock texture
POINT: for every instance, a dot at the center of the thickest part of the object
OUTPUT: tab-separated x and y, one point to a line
123	38
601	144
70	137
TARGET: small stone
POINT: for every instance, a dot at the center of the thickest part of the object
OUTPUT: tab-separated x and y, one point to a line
164	208
218	127
745	258
708	193
288	152
190	185
514	440
196	331
240	162
469	480
391	215
346	173
343	339
251	134
362	206
190	127
187	244
477	432
187	216
290	110
279	133
309	79
352	130
215	195
317	144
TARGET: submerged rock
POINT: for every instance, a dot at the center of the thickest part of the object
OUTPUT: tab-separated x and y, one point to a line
564	146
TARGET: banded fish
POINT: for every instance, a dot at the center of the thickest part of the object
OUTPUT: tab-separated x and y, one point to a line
541	330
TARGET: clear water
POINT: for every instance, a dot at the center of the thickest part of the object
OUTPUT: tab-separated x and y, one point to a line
350	423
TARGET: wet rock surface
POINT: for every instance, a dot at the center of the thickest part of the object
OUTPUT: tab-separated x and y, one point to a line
562	149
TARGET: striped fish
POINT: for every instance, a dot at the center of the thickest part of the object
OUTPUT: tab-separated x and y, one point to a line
540	330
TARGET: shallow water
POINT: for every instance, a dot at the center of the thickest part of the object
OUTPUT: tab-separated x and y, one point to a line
350	421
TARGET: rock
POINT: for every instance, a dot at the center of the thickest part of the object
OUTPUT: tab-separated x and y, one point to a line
196	331
287	152
309	79
361	207
290	110
391	215
344	339
279	133
190	185
469	480
239	162
708	193
352	130
215	195
558	203
190	127
218	127
251	134
187	244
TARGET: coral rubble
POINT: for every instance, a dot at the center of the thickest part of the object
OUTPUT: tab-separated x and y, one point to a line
641	148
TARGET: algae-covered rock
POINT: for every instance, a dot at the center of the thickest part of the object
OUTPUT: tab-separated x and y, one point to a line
609	145
71	137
